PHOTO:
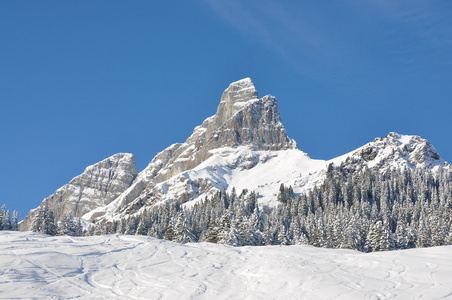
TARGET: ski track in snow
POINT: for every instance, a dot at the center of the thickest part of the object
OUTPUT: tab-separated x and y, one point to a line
35	266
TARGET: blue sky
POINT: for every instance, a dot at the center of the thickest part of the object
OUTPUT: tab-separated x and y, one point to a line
83	80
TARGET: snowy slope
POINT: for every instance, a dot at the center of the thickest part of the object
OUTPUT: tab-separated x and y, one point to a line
139	267
239	168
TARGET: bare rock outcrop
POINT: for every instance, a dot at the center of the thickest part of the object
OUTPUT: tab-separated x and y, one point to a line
241	119
97	186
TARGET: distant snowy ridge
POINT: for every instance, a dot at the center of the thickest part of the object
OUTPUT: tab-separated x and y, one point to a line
243	146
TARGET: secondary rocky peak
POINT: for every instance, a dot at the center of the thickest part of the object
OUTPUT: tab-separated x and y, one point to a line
398	151
97	186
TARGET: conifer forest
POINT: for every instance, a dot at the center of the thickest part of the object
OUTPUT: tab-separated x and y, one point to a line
364	210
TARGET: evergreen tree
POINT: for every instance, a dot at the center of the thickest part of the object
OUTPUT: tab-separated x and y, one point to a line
224	234
78	227
15	221
3	217
212	234
6	220
282	196
49	225
182	233
379	238
37	224
169	233
67	225
283	239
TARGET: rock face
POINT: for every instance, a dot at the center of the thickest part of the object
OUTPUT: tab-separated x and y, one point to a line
97	186
241	119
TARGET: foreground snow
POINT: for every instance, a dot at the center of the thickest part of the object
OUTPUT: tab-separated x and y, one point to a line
138	267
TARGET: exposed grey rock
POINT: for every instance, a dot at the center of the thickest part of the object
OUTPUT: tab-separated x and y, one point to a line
97	186
241	119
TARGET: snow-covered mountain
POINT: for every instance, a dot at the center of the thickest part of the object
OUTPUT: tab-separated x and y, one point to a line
243	146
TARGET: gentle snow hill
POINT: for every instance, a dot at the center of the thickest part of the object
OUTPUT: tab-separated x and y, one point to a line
37	266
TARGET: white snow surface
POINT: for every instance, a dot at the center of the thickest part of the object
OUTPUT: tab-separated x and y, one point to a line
37	266
244	168
261	171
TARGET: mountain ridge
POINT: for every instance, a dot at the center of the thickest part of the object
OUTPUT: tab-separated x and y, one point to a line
245	146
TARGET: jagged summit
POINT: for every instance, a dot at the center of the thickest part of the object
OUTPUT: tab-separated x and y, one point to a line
241	119
237	95
240	91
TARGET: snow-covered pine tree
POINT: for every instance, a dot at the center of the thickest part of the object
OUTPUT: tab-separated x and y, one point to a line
182	233
15	221
37	224
67	225
6	220
3	217
169	233
379	238
49	225
78	227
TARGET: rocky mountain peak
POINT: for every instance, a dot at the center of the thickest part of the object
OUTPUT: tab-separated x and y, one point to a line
241	119
240	90
234	98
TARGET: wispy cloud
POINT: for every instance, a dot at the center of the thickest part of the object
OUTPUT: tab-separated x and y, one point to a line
294	35
347	41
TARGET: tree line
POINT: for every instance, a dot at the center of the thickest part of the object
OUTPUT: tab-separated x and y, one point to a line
6	223
44	222
366	210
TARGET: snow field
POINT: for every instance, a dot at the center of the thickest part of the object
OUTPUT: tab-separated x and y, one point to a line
36	266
